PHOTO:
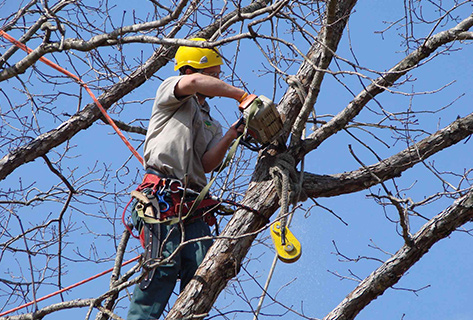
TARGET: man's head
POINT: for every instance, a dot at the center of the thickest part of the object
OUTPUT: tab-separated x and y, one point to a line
202	60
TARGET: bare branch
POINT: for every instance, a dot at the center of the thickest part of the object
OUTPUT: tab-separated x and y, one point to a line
440	227
387	80
324	186
85	118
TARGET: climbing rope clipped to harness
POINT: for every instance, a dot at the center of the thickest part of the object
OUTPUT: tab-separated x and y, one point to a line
288	188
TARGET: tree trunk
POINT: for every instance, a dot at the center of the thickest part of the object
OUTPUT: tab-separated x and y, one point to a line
224	258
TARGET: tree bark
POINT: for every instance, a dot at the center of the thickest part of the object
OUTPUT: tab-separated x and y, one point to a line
348	182
224	258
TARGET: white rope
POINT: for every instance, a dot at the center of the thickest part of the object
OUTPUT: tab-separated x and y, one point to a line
284	187
285	167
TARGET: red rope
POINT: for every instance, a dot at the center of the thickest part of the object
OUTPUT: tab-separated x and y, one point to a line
117	130
73	76
66	288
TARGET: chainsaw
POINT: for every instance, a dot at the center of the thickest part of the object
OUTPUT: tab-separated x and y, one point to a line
264	123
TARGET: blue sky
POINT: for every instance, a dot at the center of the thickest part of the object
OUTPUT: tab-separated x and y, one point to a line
310	284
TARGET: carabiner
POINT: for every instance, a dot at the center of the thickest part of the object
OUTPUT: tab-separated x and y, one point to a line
163	204
174	185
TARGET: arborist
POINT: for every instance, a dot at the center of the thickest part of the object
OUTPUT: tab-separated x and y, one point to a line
182	144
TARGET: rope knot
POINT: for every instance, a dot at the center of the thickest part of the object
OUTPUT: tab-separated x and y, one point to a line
287	182
286	178
288	187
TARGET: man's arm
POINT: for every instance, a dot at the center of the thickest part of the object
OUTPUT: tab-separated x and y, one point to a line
207	86
214	156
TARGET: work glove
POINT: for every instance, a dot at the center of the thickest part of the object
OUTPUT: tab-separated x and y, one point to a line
246	100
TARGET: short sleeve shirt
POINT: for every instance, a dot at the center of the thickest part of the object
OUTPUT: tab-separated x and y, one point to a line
180	131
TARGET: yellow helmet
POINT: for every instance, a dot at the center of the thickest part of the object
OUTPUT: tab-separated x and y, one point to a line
197	58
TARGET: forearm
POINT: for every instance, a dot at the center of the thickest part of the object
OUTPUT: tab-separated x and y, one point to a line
207	86
213	157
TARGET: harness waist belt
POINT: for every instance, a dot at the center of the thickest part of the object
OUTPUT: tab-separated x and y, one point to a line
160	201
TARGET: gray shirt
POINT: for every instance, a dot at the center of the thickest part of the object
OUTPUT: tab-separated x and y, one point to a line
180	131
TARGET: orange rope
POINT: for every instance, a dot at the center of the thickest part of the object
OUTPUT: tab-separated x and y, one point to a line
73	76
117	130
67	288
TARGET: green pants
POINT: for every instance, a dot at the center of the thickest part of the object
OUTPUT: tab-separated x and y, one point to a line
149	303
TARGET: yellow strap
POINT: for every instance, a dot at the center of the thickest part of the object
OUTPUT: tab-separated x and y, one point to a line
289	252
228	158
149	219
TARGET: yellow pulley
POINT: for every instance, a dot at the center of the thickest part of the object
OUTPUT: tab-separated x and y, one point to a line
289	251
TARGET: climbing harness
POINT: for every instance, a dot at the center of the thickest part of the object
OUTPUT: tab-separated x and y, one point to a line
159	200
164	200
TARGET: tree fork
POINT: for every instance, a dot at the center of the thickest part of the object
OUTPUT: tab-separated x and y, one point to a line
223	260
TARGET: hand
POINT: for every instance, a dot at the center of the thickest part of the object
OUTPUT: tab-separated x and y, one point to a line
237	129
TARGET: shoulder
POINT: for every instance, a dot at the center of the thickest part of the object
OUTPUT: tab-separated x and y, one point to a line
166	96
169	84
